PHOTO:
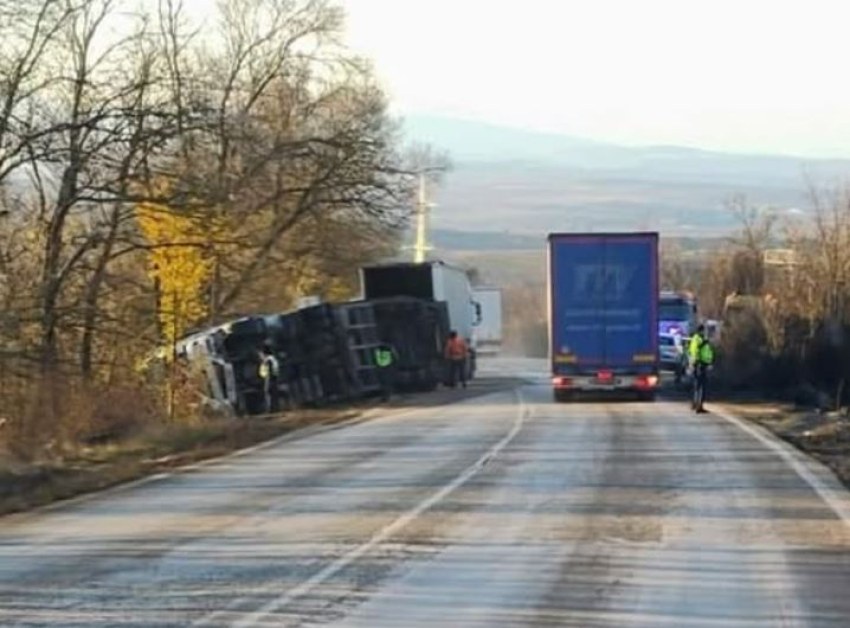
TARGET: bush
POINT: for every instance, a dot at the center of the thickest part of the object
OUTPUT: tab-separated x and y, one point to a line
49	417
742	359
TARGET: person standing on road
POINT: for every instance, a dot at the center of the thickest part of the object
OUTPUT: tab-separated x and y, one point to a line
270	375
694	344
702	363
385	360
456	353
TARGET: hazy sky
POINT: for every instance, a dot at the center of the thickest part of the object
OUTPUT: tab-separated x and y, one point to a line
744	75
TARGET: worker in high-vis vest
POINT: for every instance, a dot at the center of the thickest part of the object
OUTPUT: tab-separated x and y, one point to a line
693	346
385	361
456	354
269	372
703	361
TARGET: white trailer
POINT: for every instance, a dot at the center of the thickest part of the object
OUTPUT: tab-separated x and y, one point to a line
435	281
451	284
489	331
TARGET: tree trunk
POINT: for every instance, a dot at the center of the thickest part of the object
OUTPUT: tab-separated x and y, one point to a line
92	295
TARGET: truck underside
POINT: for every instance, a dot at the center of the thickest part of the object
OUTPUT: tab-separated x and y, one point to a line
567	387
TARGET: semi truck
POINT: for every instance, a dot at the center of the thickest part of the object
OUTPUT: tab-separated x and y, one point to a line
432	281
603	313
677	313
488	334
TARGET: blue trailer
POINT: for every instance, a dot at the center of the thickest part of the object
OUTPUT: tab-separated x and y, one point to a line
603	313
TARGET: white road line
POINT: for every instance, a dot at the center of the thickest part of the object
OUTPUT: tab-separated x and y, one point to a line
379	537
835	496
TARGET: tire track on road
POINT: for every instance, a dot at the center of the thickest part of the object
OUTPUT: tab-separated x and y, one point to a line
256	617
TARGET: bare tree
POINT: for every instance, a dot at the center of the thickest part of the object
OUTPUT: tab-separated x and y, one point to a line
299	130
273	140
31	31
757	232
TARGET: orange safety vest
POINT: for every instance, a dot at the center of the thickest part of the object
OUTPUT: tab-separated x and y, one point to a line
456	349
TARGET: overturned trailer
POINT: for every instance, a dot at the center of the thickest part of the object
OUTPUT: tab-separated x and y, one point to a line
417	329
326	352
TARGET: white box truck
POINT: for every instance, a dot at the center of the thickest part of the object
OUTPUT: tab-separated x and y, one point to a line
489	332
435	281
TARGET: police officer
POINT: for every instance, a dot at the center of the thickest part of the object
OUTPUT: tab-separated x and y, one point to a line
701	353
694	344
385	360
270	375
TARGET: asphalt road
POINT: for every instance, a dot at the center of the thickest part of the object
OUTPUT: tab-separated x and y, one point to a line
498	510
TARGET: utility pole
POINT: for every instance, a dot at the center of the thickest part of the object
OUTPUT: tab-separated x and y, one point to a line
423	208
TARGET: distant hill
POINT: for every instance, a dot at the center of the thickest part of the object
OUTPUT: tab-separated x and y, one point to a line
525	183
468	140
454	240
447	241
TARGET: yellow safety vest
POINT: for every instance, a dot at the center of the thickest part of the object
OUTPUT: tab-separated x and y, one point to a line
383	357
706	353
269	367
694	347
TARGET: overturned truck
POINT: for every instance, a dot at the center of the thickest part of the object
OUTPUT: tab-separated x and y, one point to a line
417	329
326	352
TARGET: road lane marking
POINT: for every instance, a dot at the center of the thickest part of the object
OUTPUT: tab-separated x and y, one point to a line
379	537
797	460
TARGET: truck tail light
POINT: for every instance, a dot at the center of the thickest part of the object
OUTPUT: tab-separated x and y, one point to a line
561	382
647	381
605	376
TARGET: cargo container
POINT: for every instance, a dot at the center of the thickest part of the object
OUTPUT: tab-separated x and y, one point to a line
603	313
432	281
488	334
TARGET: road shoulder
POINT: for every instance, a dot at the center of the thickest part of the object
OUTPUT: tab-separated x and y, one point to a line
815	445
177	449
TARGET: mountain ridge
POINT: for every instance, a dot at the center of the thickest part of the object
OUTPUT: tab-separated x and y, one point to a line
529	182
445	131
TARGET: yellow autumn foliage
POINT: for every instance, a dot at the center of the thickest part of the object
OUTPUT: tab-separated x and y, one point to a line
179	259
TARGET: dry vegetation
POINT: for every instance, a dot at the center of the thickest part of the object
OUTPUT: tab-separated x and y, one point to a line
156	176
781	288
155	448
